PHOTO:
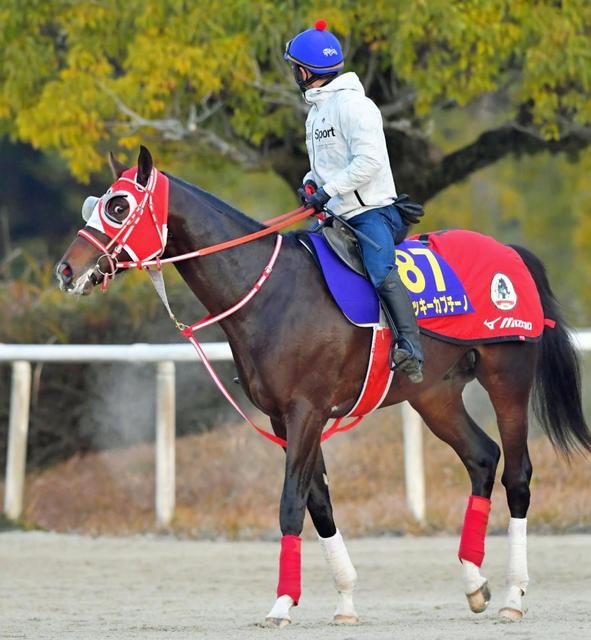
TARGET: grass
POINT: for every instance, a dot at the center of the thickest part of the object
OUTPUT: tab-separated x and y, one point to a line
229	483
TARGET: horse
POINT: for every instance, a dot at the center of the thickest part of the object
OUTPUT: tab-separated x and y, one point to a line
300	362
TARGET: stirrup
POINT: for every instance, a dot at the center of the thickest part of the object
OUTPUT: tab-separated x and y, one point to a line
406	362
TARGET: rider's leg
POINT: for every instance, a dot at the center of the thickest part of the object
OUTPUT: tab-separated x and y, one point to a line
380	225
409	355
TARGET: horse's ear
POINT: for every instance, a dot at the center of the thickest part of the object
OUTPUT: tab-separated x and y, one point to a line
116	167
145	164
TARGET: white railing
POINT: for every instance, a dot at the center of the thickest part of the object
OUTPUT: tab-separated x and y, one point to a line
165	355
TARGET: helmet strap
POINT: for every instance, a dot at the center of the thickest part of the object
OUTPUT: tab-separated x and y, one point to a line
304	84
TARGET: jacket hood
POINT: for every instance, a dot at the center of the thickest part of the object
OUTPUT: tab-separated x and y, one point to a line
349	81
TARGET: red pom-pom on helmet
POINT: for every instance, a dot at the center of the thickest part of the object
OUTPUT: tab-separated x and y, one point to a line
320	25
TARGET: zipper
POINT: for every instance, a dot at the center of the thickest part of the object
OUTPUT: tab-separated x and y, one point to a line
313	163
359	198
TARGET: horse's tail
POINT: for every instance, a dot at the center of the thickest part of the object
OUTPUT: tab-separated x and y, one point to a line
557	384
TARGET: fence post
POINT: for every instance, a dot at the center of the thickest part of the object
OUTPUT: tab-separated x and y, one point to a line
18	426
165	442
414	470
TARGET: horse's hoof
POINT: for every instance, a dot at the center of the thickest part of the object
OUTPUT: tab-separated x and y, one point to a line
277	623
511	615
341	618
479	599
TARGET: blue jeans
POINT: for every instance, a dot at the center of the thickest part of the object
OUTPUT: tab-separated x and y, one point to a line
381	225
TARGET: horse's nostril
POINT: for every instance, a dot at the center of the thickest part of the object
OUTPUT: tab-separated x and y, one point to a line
65	273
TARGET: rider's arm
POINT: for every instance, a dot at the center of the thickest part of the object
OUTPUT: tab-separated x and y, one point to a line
361	124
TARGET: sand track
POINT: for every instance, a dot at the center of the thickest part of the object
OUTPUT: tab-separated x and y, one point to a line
67	586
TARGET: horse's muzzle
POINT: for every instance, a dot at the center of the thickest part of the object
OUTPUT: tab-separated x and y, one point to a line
82	285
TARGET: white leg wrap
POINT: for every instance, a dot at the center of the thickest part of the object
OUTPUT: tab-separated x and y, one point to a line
513	597
341	567
472	578
281	608
343	574
517	568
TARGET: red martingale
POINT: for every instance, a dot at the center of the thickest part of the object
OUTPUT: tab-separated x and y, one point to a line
474	530
377	381
290	568
379	375
143	236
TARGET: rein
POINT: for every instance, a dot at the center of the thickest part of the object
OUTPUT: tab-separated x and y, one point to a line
111	251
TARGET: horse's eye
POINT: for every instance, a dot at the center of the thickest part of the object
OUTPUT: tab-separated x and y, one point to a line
117	209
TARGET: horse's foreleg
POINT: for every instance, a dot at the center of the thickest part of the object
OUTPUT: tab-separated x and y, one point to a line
333	547
303	426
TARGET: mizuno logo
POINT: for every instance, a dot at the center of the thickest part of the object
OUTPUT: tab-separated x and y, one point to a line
491	323
514	323
509	323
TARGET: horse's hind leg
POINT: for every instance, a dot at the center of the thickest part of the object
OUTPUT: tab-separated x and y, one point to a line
444	413
506	371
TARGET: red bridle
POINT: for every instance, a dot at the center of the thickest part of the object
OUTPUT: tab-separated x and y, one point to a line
141	237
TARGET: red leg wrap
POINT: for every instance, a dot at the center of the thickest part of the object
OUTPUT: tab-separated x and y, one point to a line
474	530
290	568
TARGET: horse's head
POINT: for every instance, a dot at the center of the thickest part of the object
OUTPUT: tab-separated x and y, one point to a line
128	223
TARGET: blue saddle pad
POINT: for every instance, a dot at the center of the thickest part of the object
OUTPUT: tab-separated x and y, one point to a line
434	288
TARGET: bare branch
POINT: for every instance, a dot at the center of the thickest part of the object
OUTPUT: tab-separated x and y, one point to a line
243	156
404	124
278	95
207	111
371	70
174	129
404	101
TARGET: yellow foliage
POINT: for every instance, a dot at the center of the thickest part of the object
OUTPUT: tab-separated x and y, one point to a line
75	76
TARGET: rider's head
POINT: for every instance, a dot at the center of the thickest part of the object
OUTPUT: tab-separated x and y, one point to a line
314	55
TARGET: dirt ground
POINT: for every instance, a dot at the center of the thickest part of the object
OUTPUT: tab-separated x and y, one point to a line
68	586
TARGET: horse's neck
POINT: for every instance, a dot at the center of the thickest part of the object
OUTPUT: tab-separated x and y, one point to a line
219	280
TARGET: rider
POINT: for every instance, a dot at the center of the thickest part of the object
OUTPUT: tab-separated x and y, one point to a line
349	159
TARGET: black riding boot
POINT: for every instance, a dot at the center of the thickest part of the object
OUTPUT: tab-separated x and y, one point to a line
408	357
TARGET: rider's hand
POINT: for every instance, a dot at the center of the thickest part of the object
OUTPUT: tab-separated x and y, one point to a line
317	200
308	188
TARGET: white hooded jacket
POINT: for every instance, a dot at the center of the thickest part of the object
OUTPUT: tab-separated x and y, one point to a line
347	147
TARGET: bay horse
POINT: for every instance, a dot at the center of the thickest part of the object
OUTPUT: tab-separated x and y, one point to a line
302	363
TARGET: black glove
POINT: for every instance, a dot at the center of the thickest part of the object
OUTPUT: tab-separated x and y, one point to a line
317	200
307	189
411	212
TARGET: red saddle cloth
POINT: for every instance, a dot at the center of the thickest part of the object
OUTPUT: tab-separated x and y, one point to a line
500	287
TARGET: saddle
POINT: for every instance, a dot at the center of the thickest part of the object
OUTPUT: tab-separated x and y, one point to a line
344	243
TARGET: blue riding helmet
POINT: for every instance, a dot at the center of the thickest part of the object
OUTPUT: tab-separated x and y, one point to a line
317	50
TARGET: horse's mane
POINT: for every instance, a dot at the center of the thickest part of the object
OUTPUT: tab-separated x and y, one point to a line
216	203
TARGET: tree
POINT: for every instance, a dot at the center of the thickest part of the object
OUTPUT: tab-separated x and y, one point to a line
208	78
